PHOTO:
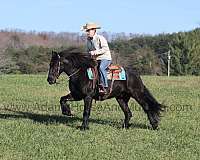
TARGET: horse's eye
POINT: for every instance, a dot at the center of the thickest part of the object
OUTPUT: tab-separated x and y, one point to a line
65	61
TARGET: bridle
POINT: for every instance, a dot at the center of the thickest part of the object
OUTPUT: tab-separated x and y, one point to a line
71	75
58	71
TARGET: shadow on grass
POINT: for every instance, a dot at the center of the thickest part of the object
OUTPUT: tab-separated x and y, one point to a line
61	119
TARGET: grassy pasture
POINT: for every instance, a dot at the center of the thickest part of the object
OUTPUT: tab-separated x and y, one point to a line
32	127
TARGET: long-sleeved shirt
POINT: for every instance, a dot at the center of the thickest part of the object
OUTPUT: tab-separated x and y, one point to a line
99	45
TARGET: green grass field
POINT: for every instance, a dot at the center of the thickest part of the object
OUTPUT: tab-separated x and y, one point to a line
32	127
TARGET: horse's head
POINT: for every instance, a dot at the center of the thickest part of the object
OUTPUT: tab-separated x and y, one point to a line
55	68
69	61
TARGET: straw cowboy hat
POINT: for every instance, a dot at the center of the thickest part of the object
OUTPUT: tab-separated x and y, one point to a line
88	26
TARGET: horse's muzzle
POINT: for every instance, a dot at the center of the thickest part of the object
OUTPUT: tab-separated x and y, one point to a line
51	80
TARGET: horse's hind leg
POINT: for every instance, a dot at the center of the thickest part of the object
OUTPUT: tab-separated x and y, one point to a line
65	105
123	103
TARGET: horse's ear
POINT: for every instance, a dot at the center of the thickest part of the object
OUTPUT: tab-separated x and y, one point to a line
54	54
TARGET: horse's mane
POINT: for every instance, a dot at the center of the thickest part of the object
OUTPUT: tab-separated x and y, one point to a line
78	58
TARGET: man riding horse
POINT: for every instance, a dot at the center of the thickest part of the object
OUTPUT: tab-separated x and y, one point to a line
98	47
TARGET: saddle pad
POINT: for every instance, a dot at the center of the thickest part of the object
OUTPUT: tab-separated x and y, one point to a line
114	74
90	74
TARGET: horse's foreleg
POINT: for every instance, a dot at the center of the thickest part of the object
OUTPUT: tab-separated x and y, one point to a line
86	112
123	102
65	105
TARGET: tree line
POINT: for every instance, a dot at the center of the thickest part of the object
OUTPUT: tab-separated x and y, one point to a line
145	53
148	54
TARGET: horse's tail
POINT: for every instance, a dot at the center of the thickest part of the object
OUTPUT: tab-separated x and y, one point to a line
153	104
142	95
152	107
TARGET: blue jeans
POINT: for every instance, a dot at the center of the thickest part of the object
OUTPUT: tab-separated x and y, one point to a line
103	73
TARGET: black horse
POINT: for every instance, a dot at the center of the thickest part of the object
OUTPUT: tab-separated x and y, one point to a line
75	65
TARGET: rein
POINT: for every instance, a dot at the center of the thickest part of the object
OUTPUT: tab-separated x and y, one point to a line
74	73
70	74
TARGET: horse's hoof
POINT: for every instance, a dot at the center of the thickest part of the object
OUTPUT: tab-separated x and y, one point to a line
155	127
125	126
83	128
70	114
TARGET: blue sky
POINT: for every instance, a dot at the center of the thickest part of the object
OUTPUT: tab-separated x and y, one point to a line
135	16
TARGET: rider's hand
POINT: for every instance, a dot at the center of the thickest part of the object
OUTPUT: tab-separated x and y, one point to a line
93	53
